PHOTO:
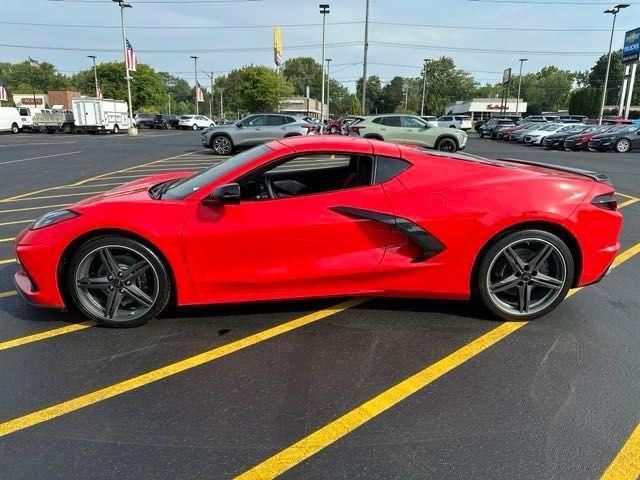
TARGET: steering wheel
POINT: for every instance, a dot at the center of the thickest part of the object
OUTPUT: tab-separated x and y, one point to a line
271	191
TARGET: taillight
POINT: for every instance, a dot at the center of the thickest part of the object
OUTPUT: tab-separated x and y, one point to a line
607	202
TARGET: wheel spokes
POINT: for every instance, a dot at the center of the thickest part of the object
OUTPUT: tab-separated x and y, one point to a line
136	270
138	295
109	262
113	303
540	257
524	297
505	284
516	262
547	281
97	283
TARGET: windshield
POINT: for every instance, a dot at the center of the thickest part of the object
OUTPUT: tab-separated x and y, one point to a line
190	184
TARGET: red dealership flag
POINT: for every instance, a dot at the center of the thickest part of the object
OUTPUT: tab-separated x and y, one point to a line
132	61
199	93
3	94
99	92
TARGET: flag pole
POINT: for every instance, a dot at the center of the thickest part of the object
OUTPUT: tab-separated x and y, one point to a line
132	129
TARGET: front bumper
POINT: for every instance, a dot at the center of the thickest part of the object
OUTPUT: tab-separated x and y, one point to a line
37	279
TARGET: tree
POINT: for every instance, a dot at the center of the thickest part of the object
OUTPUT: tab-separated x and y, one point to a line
182	95
253	89
147	86
445	84
374	93
585	101
23	78
616	74
391	95
356	106
303	72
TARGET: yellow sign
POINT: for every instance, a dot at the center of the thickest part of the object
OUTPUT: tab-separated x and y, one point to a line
277	46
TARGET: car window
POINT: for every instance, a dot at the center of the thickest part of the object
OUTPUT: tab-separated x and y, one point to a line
377	120
388	168
411	122
308	174
391	121
255	121
291	120
189	185
275	120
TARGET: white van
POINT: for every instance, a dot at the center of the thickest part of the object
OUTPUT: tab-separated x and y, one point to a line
10	120
461	122
26	118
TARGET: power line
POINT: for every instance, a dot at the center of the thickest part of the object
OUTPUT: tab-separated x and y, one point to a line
97	2
482	50
537	2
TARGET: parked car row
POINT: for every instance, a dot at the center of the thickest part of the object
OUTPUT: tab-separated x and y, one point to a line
619	137
166	121
396	128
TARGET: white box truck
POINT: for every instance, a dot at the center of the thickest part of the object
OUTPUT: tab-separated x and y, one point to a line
10	120
100	114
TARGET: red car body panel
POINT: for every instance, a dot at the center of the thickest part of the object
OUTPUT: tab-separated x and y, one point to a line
297	247
581	140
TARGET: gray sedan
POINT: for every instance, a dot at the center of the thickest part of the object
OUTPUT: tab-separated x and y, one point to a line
254	130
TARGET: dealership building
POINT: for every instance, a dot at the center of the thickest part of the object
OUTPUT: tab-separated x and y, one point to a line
301	106
483	108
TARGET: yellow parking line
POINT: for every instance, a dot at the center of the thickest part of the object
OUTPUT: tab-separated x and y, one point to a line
33	208
134	383
17	342
335	430
93	185
4	240
627	196
96	177
8	294
61	195
122	176
15	222
6	261
628	202
626	464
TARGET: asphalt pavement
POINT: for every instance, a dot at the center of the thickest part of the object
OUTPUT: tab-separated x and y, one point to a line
322	389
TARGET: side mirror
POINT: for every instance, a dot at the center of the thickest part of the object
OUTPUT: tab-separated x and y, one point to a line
228	194
239	125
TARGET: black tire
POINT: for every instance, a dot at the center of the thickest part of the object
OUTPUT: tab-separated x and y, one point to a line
154	282
221	144
623	146
481	135
194	127
116	129
559	262
374	137
446	144
14	128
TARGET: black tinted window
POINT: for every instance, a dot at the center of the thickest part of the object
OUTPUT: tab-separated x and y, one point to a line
391	121
275	120
387	168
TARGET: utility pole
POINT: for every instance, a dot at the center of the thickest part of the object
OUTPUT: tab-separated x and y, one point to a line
406	96
210	75
328	60
169	104
424	86
95	72
522	60
364	63
324	10
221	107
195	70
132	129
614	11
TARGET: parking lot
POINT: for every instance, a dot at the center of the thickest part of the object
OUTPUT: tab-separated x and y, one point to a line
322	389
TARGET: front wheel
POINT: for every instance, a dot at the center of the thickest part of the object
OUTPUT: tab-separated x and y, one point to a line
623	145
118	282
116	129
525	275
194	127
221	145
446	145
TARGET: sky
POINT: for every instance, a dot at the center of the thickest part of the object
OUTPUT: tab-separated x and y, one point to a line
462	29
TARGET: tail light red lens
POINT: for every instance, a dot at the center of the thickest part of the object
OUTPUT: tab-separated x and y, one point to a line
606	202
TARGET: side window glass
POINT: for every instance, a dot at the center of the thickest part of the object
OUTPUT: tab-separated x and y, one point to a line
392	121
377	120
388	167
410	122
257	121
275	120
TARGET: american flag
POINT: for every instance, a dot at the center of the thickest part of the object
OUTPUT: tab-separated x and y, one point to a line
199	93
34	63
99	93
132	61
3	94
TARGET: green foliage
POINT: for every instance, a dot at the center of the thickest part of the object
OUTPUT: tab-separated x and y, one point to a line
303	72
253	89
23	78
585	101
356	106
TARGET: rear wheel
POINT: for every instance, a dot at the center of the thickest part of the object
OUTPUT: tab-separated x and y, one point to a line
14	128
446	145
623	145
525	275
116	129
194	127
118	282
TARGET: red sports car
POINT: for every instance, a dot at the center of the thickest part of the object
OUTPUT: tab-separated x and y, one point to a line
326	216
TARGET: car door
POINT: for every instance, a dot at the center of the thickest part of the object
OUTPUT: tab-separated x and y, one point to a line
276	127
416	131
253	130
299	245
635	137
391	129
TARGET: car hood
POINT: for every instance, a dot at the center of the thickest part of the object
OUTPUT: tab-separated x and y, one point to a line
137	190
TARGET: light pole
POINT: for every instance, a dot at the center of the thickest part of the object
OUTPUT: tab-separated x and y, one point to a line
132	129
522	60
613	11
328	79
424	86
195	70
221	106
364	62
324	10
210	75
95	72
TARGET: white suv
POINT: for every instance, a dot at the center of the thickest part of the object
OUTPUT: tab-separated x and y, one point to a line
195	122
455	121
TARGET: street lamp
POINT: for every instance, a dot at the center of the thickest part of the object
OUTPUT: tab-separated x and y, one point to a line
95	72
123	5
613	11
324	10
424	86
522	60
364	62
195	69
328	78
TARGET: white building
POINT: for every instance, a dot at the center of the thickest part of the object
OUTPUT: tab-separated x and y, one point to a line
36	101
482	108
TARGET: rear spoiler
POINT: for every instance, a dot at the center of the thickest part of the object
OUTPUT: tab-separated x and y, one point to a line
598	177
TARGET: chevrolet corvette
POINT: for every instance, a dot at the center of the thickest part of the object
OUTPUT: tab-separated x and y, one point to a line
326	216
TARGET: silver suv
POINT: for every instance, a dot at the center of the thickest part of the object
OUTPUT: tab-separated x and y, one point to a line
253	130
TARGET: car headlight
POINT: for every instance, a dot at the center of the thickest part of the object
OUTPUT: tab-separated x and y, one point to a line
52	218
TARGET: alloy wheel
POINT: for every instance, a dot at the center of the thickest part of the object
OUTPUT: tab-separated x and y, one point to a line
447	145
526	276
116	283
623	145
221	145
